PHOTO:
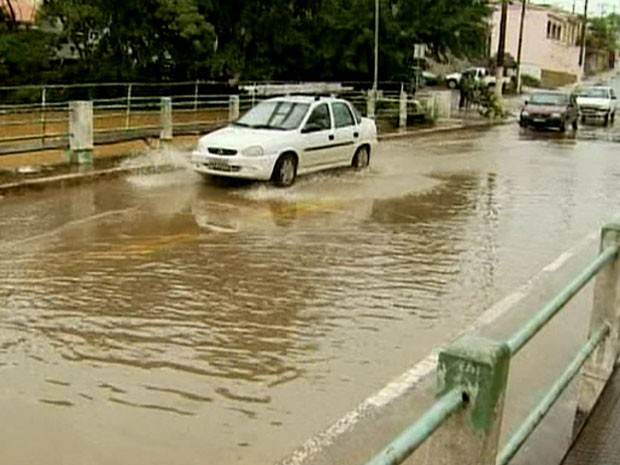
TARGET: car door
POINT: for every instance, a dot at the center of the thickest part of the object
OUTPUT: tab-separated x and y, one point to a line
346	133
317	137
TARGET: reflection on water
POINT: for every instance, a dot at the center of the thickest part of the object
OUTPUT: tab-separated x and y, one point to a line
180	306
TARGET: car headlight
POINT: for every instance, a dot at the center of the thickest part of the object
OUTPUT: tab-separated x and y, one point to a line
202	146
556	115
253	151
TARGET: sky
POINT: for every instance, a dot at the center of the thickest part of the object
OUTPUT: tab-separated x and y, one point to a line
595	7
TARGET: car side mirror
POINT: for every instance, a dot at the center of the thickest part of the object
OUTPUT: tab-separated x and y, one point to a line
311	127
526	100
613	97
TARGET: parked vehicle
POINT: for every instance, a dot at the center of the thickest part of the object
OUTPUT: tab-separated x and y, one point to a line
597	102
478	74
550	109
284	137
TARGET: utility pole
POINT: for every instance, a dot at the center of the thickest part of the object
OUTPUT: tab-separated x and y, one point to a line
501	46
520	46
584	30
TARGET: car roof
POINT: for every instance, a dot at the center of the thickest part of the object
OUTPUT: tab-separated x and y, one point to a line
596	87
309	99
550	92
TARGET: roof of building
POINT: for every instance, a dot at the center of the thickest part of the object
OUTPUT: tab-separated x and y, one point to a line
551	9
25	10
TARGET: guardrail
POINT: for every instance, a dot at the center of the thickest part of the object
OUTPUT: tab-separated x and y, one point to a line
472	377
123	112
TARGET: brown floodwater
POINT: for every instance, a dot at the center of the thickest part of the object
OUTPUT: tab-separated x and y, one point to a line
163	319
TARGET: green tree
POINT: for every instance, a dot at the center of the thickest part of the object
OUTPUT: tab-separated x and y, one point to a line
257	39
141	39
603	33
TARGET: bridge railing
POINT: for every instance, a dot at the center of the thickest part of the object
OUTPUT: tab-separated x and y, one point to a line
37	118
472	377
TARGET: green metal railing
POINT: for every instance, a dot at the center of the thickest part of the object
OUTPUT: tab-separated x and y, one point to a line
473	374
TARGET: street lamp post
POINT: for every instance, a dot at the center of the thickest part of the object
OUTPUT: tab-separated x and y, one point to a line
376	75
584	29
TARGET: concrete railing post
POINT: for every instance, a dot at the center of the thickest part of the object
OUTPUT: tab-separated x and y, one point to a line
605	310
470	437
371	104
165	121
402	113
233	108
81	143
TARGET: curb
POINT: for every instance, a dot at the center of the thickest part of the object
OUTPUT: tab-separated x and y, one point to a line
74	179
71	179
439	130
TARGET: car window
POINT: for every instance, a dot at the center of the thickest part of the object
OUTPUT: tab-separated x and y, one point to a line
549	99
342	115
274	115
358	115
320	119
595	92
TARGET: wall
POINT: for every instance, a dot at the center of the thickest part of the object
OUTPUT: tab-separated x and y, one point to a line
539	52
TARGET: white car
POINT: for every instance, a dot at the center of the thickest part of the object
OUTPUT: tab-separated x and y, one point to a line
478	74
597	102
284	137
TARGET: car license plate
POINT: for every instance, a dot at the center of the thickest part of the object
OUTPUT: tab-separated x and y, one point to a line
220	165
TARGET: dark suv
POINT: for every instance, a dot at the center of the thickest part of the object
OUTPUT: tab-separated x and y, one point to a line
550	109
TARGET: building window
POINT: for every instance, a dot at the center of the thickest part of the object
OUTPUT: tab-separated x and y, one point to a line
548	29
559	36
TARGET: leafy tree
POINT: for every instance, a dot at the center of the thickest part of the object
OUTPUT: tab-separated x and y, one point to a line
603	33
141	39
257	39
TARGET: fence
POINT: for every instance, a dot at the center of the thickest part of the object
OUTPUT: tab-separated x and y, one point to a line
473	373
35	118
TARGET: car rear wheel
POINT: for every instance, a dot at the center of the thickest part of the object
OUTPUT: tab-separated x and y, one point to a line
361	159
285	171
583	119
613	117
452	84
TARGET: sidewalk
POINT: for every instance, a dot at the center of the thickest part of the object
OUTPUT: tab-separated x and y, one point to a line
598	443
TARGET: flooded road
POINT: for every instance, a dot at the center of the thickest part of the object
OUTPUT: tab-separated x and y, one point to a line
163	319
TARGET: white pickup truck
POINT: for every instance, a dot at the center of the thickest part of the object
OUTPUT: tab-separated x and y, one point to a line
479	74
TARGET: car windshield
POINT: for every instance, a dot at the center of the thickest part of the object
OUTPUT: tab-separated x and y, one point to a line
274	115
549	99
594	92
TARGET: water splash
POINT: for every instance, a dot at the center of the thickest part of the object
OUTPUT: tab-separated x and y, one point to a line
162	157
162	167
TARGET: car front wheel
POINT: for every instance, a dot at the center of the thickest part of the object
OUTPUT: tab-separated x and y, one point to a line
361	159
285	171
